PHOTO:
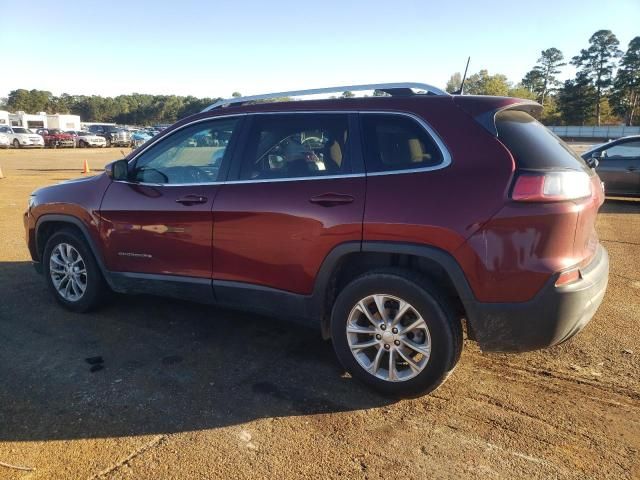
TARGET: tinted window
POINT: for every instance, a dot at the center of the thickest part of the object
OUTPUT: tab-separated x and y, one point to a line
532	145
297	145
397	142
623	150
191	155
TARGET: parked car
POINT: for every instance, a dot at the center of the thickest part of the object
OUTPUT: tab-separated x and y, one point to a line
618	165
4	140
86	139
55	138
385	222
139	137
114	136
20	137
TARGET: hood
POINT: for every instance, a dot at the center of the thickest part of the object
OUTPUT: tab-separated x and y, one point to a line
93	178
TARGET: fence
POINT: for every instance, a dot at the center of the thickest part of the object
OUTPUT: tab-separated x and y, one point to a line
611	132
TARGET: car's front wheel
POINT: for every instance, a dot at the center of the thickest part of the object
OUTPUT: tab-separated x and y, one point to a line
71	271
16	143
394	331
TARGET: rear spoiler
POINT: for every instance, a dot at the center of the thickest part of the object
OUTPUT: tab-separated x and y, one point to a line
484	108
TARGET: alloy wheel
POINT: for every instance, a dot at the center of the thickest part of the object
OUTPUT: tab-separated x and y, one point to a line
388	337
68	272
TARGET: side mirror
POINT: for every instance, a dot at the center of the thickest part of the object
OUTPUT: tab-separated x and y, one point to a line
118	170
594	160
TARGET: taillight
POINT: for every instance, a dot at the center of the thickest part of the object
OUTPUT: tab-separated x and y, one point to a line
551	186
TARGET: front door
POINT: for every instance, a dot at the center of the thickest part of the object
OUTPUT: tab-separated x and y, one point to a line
296	192
160	221
619	168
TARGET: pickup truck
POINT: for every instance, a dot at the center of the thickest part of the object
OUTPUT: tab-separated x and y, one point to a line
55	138
114	136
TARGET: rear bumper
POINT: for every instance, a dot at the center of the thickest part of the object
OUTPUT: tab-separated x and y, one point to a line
554	315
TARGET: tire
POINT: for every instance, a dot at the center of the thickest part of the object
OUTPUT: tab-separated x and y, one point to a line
82	144
440	339
95	287
16	143
108	142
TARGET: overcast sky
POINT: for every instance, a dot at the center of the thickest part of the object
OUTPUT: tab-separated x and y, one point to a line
212	48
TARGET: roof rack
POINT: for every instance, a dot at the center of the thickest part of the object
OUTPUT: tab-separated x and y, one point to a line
394	89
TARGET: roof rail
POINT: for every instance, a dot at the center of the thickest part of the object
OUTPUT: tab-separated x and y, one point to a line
398	89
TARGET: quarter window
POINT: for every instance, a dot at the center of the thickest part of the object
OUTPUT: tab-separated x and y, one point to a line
191	155
396	142
297	145
623	150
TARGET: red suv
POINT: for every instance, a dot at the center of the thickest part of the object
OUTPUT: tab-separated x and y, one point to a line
387	221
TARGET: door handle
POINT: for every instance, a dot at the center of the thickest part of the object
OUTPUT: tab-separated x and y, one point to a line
192	199
331	199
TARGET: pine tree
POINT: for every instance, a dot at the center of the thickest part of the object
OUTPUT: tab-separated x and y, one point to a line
597	62
625	98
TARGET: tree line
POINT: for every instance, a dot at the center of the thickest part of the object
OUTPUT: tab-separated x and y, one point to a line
133	109
605	89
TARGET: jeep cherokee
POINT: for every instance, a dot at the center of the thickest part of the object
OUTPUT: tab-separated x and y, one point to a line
386	221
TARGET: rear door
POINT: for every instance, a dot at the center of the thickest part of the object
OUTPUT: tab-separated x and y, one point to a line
296	192
619	168
160	221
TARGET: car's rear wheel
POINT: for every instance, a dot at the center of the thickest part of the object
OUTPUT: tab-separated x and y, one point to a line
16	143
71	271
108	142
394	331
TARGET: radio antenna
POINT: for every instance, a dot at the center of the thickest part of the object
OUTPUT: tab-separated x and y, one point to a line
460	91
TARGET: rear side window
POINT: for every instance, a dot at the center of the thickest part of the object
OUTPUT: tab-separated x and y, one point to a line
397	142
297	146
532	145
623	151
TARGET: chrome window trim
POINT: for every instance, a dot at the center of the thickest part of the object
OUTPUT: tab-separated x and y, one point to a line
446	156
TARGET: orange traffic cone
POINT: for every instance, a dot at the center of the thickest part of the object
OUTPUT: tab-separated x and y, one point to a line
1	174
85	167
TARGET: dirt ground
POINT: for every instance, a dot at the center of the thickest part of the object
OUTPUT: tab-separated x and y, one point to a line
189	391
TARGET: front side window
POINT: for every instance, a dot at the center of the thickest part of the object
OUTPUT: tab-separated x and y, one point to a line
397	142
297	145
193	154
623	151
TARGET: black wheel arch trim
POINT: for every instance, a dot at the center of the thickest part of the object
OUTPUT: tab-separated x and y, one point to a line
318	308
75	221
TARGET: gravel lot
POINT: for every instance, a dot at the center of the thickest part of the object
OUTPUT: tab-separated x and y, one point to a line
189	391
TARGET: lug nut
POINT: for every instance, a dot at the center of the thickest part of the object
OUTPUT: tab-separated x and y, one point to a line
386	346
394	330
378	337
397	342
383	327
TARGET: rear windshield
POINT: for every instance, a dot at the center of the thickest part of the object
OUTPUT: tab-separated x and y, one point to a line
532	145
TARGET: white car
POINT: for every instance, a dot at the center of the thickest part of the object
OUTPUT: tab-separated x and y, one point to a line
4	140
21	137
87	139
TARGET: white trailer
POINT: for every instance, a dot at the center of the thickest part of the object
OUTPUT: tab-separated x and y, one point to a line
63	122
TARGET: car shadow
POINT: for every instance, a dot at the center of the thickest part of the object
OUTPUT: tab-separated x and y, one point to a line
159	366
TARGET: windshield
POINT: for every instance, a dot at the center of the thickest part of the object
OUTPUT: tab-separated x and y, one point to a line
20	130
